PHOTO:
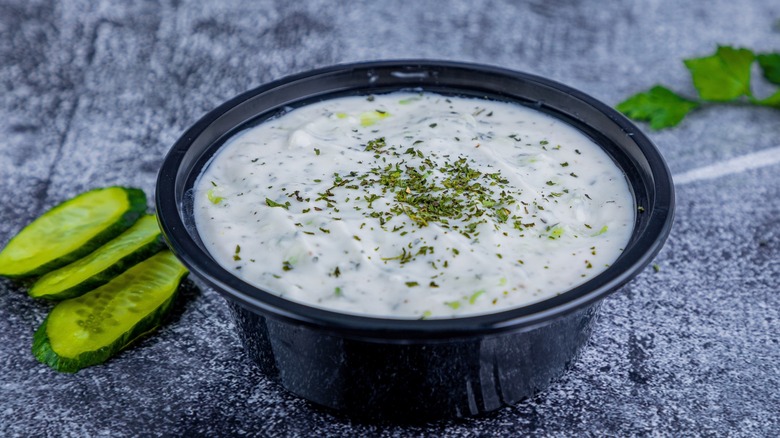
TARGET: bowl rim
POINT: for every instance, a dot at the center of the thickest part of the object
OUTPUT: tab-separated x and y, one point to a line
523	318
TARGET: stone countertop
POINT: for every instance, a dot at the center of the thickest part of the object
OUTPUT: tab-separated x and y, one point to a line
94	94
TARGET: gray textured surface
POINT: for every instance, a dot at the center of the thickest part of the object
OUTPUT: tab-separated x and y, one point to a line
94	93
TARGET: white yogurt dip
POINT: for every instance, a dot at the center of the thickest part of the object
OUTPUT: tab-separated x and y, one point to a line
413	205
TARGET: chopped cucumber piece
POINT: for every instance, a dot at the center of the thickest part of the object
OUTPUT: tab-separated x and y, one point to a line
89	329
139	242
71	230
368	118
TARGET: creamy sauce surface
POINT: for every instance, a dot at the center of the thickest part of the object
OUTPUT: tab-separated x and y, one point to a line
413	205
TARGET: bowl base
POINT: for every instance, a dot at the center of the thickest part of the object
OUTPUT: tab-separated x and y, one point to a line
412	382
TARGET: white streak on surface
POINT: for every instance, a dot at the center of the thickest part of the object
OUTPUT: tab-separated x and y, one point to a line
755	160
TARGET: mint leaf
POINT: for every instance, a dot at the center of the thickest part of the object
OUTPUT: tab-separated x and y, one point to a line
770	65
723	76
659	105
773	100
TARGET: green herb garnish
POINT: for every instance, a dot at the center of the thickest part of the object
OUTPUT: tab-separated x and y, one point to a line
556	232
271	203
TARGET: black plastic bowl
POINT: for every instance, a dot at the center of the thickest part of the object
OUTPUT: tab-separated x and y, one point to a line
368	366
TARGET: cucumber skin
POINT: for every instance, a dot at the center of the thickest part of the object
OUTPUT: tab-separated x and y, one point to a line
107	274
136	208
42	350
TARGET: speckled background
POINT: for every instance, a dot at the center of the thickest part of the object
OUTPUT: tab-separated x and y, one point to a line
95	92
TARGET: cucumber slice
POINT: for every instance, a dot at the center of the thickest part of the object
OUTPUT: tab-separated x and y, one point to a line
89	329
139	242
71	230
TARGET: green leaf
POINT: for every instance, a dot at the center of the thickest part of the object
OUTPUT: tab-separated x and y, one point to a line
770	65
659	106
772	101
723	76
